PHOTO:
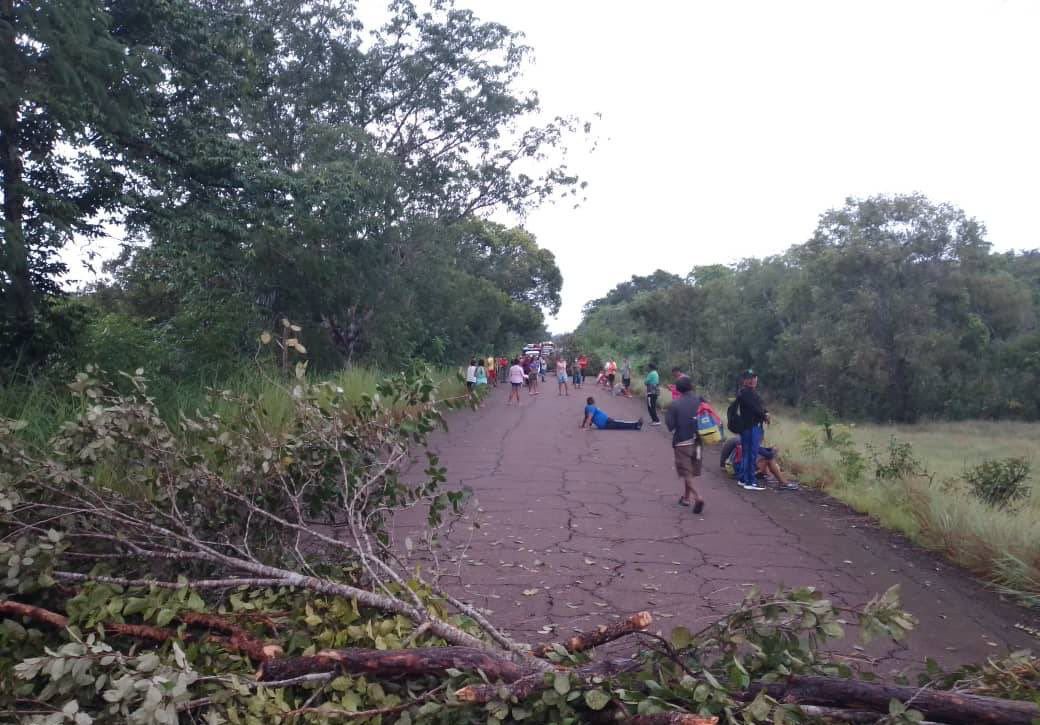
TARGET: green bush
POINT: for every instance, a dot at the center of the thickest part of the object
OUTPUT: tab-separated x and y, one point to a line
1000	484
901	461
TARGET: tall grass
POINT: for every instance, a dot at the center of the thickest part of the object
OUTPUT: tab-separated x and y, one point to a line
937	509
45	403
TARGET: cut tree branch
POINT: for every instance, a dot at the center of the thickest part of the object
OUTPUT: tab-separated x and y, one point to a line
393	663
601	635
947	707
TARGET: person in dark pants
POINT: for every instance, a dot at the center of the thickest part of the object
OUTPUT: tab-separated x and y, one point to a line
686	444
753	416
653	389
596	417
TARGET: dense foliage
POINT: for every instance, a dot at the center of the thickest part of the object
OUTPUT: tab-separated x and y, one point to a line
897	308
264	160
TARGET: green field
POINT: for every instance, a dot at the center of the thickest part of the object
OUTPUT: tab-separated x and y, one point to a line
936	508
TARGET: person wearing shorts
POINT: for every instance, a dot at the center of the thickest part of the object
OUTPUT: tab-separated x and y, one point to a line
561	377
681	419
516	381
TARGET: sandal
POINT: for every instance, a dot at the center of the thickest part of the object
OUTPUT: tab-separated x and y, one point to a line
684	502
698	507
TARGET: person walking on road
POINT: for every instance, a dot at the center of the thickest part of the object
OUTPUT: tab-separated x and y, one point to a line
686	444
583	364
753	416
480	374
561	377
516	381
611	370
626	378
471	375
653	389
596	417
577	374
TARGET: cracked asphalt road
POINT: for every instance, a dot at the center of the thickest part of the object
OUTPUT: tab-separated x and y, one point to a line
578	528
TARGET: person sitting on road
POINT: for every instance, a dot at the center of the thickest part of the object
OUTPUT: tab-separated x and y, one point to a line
596	417
766	465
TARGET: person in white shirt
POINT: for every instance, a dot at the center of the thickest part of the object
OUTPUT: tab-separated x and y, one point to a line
471	375
516	381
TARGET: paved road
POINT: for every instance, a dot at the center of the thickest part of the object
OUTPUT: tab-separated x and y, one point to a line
579	527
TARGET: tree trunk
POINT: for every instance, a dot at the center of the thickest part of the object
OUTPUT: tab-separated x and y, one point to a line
17	292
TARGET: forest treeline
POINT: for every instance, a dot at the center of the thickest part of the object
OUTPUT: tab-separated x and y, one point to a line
268	159
897	308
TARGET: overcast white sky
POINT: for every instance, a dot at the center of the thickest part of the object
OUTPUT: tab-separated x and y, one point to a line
729	127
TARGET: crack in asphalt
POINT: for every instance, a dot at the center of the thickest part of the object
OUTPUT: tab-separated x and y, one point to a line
585	529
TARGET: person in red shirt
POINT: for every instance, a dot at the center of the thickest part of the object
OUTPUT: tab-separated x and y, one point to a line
583	363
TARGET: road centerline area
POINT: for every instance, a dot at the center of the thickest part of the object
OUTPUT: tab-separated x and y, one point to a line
578	528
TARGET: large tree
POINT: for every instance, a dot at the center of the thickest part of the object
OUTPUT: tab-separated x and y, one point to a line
68	90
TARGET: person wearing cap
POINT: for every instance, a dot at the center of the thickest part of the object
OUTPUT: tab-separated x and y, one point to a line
754	415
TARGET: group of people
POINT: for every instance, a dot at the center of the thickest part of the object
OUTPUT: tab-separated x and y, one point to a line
690	417
693	422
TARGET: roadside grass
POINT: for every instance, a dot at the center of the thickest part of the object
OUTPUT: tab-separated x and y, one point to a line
46	403
935	508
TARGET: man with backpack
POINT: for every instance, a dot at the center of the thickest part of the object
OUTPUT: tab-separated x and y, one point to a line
747	415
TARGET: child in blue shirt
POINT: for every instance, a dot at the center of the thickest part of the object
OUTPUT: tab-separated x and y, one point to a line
596	417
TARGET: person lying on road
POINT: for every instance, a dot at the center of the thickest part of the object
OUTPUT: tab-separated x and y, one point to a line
596	417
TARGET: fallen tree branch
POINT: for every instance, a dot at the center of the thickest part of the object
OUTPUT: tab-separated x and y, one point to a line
394	663
535	682
239	641
36	614
856	717
601	635
229	583
672	718
239	638
947	707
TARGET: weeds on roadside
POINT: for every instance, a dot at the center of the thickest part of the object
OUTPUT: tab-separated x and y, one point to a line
1000	484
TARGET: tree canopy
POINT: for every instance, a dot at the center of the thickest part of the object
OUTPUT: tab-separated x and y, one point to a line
896	308
273	159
